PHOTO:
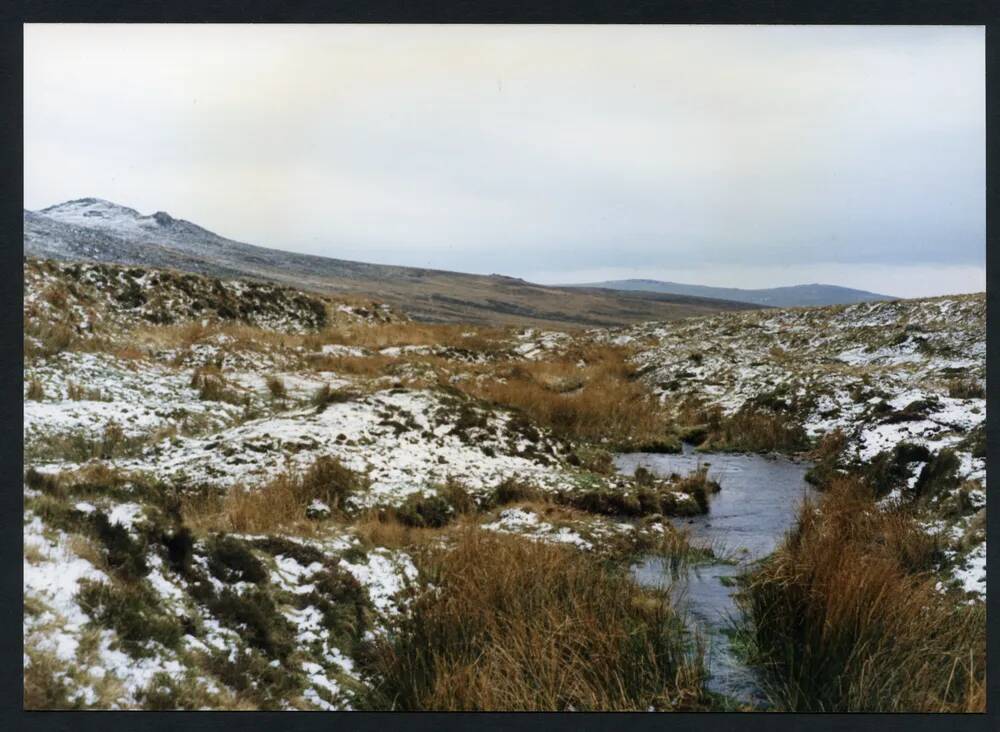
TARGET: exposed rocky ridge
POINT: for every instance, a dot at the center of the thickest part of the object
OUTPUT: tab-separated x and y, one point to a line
110	298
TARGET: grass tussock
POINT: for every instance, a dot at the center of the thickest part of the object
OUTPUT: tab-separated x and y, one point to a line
279	504
213	387
826	456
77	393
276	386
384	529
588	393
966	389
327	395
845	616
44	338
514	624
35	391
756	430
45	684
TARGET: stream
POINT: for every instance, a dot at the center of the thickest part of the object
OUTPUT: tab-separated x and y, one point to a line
758	503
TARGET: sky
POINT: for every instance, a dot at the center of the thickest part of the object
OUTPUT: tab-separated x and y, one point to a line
738	156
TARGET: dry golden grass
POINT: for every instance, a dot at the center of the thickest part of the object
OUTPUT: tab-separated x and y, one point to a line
129	353
846	617
409	333
751	430
279	504
45	338
213	387
383	529
184	335
56	295
87	550
47	678
367	366
276	386
33	554
75	392
966	389
514	624
44	688
601	401
35	391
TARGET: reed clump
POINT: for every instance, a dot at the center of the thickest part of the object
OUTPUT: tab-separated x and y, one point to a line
845	615
513	624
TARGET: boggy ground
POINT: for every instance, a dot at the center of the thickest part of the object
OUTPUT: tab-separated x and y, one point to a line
240	496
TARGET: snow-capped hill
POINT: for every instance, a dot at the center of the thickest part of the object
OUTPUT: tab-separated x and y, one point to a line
113	218
91	212
97	230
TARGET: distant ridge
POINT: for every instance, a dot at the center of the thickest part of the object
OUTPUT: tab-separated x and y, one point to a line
93	229
779	297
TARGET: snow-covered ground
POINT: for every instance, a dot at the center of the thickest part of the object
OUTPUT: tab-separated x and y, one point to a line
883	373
120	409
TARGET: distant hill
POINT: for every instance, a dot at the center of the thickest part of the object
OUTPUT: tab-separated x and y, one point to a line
93	229
779	297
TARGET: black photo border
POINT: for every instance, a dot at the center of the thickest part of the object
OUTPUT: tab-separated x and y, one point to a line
846	12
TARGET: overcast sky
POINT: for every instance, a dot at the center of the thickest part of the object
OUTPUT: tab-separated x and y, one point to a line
737	156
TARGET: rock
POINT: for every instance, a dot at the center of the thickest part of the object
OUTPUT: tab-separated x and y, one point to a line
317	510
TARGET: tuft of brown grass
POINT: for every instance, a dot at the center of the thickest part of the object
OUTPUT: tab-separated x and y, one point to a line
755	430
277	387
326	395
56	295
278	504
77	393
45	685
368	366
45	338
600	400
383	529
826	456
966	389
129	353
513	624
408	333
35	391
212	385
845	615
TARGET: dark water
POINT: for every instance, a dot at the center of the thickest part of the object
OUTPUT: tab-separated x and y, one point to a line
747	519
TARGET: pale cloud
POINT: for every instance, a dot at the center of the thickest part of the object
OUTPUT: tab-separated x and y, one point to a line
533	149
